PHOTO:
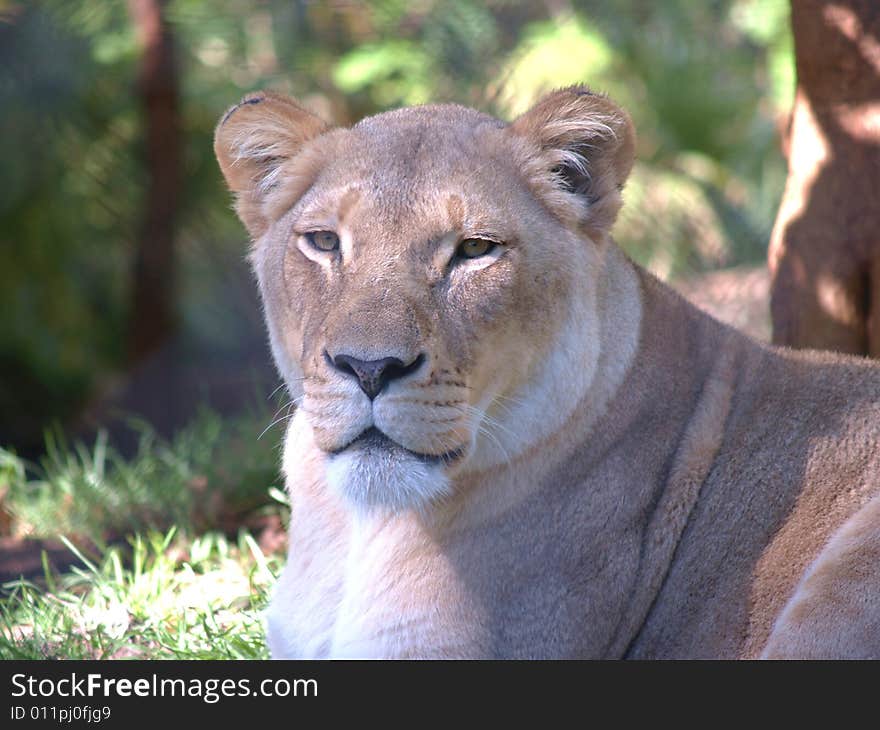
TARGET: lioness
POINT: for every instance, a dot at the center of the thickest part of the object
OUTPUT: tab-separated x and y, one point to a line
510	440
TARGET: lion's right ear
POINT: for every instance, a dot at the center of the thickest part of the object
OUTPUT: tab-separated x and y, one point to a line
253	141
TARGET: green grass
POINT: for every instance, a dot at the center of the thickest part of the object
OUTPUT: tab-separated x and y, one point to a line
166	599
168	566
214	470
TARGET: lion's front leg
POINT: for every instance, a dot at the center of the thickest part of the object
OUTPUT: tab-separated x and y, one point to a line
834	612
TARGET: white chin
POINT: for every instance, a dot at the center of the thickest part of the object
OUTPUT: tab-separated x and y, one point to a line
389	479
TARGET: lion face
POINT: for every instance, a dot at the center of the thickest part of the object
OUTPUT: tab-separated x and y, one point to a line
417	272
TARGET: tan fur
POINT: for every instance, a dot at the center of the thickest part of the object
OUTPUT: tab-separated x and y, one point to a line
583	464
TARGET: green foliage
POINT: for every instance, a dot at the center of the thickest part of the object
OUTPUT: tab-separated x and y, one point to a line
175	587
213	473
767	25
69	175
550	55
710	173
396	73
163	597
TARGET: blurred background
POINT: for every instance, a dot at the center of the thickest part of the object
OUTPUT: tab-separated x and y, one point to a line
123	286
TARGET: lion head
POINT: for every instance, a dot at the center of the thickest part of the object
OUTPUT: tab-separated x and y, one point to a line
428	276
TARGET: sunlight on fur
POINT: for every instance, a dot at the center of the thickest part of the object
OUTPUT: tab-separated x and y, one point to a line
510	441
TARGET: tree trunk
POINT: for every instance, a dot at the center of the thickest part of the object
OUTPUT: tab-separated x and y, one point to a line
825	250
153	314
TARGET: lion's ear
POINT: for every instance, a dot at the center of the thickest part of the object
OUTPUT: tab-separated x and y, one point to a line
253	141
587	146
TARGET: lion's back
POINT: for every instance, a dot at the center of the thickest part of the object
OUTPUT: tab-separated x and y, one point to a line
798	458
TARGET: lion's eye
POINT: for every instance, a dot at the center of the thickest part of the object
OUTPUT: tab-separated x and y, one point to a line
474	248
323	240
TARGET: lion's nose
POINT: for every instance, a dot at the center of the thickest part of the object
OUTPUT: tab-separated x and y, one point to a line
374	375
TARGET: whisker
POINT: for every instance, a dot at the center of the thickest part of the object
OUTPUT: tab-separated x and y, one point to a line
492	437
281	385
301	379
291	402
283	418
445	448
286	407
486	425
514	401
498	425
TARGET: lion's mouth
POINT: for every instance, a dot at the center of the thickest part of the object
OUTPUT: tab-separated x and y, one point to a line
374	441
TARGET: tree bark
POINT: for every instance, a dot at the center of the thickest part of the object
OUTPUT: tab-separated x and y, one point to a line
153	312
825	250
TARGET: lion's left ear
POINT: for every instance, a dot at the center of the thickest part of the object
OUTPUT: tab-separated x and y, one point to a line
587	147
252	142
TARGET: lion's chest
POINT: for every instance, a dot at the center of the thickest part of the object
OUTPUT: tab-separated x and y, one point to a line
378	590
